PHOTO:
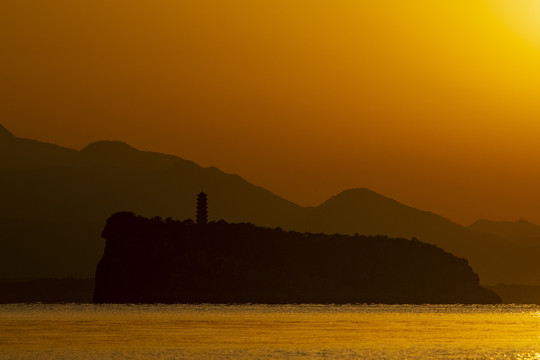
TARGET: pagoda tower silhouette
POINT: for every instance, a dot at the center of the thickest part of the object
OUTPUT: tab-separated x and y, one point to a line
202	208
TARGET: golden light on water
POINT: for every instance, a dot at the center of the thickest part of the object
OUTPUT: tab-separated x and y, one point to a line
270	332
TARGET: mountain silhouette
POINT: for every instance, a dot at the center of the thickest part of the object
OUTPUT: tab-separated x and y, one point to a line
509	229
370	213
55	202
496	259
5	134
25	154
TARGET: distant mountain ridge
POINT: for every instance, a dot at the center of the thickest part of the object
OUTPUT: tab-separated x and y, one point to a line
5	134
375	214
520	228
56	201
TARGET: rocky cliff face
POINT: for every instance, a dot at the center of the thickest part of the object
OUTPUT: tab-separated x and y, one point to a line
151	260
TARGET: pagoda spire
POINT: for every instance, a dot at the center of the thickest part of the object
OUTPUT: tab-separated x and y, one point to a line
202	208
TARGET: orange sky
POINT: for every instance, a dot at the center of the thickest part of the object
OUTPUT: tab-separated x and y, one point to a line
433	103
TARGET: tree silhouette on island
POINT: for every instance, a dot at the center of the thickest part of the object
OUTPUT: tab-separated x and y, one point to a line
168	261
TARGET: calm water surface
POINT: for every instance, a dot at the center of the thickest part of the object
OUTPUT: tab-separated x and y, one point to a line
268	332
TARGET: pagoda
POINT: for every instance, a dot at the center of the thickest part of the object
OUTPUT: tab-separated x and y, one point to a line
202	208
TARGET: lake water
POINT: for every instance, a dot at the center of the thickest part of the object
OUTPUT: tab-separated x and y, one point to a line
79	331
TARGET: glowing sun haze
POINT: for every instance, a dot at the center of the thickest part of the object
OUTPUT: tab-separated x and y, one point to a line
433	103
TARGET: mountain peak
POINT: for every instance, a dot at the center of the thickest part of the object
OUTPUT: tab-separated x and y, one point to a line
519	228
107	147
524	222
5	134
358	194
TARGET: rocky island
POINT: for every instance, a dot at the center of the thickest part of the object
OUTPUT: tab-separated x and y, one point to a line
167	261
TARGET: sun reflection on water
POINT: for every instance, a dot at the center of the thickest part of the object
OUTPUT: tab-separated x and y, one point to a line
269	332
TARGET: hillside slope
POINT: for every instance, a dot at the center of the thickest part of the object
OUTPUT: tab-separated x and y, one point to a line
55	201
496	259
510	229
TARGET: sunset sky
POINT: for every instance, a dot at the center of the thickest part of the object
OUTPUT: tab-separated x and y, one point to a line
433	103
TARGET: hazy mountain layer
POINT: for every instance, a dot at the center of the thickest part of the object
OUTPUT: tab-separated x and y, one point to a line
510	229
55	202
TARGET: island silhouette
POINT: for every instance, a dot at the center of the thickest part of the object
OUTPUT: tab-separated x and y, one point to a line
168	261
55	201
